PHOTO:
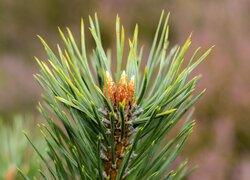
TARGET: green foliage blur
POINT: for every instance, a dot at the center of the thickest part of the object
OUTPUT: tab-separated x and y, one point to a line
15	151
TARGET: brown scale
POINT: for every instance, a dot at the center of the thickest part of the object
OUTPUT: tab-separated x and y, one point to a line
124	91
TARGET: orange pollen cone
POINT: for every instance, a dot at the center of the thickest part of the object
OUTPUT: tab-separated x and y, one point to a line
131	90
110	85
124	91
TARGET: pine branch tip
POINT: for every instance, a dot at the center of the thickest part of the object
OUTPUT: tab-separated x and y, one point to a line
117	118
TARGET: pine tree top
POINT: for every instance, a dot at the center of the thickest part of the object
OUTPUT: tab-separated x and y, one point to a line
111	124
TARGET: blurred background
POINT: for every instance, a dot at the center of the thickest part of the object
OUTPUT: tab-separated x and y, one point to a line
220	144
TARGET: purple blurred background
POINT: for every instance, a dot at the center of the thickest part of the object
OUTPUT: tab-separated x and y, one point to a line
220	143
